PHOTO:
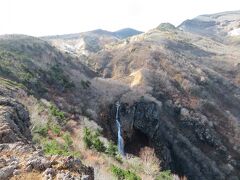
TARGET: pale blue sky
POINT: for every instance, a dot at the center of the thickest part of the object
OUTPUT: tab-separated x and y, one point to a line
48	17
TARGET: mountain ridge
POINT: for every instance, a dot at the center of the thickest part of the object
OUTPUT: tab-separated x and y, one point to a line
179	95
89	42
216	25
97	31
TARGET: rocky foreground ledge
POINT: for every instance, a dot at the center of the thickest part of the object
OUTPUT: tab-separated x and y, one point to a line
19	159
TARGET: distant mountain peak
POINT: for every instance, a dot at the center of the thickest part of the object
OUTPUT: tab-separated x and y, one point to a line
100	32
126	32
90	41
216	26
166	27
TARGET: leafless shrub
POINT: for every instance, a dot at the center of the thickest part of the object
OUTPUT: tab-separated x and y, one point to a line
150	160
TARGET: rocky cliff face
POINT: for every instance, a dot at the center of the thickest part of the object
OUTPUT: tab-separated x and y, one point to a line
14	122
182	151
19	157
185	141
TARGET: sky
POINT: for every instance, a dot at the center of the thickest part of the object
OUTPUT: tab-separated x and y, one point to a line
52	17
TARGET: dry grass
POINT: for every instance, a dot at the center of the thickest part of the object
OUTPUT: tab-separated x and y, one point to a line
28	176
151	162
146	166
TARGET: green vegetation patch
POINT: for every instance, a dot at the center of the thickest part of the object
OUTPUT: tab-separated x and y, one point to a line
56	129
122	174
56	76
51	137
92	141
165	175
19	61
42	130
67	139
57	113
20	68
53	147
112	149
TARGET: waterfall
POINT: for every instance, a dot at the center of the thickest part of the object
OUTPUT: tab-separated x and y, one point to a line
120	139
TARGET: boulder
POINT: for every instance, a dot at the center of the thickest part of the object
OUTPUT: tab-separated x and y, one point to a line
7	172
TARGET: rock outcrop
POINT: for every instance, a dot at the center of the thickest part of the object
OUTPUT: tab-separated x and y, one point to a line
21	160
185	141
14	121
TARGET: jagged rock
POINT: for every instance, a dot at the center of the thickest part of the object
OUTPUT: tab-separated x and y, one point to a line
66	176
38	163
184	113
28	161
19	147
28	168
3	162
166	156
6	172
60	176
16	172
50	167
85	177
208	136
14	121
54	159
74	164
227	168
50	171
4	147
47	177
13	161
